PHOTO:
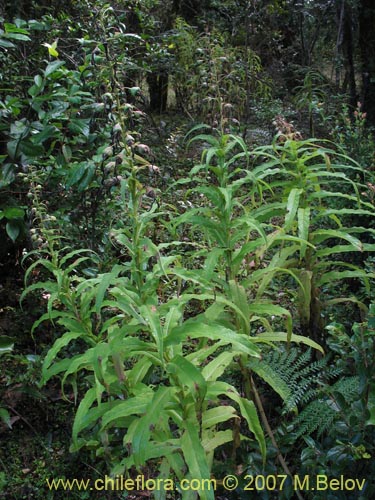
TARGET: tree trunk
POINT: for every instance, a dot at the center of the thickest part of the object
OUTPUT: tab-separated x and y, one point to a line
367	51
348	53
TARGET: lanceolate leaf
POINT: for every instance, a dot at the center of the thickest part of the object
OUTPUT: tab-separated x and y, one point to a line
82	411
56	348
195	458
283	337
105	281
198	329
327	251
249	413
215	368
324	234
142	432
53	66
220	437
133	406
273	310
292	207
303	229
188	376
339	275
213	416
239	298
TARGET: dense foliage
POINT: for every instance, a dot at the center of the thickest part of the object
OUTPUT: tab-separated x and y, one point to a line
187	215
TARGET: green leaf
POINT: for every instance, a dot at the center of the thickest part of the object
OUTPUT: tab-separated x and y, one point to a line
272	378
272	310
292	207
52	67
14	213
7	174
249	412
219	438
195	457
13	28
5	417
13	230
142	432
215	368
5	44
151	316
340	275
83	408
189	376
37	26
303	229
214	416
48	133
132	406
238	296
213	331
17	36
52	49
80	126
80	174
67	152
55	349
134	91
284	337
105	281
323	234
29	148
6	344
324	252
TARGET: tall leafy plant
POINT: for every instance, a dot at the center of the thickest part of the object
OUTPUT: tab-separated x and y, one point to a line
151	395
318	219
157	333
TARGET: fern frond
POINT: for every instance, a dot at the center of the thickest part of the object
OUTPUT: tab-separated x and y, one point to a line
304	378
318	415
348	387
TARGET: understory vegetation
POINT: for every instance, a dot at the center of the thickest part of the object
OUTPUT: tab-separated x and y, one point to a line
187	256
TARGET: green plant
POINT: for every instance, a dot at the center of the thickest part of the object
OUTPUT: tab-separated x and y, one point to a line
304	174
14	217
350	131
311	95
212	79
325	425
67	125
162	328
302	376
6	346
276	211
141	354
348	403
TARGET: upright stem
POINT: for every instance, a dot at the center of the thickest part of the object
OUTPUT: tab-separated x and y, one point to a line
270	433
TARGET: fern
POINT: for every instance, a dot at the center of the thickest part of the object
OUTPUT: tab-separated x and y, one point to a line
348	387
308	387
303	377
319	415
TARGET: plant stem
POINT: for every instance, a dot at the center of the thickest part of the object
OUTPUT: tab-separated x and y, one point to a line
267	426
